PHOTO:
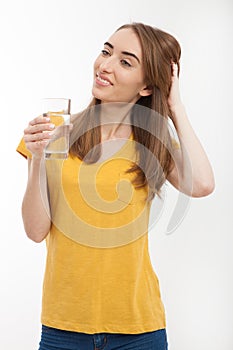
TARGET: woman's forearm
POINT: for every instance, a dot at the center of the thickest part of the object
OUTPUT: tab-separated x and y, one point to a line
196	170
35	206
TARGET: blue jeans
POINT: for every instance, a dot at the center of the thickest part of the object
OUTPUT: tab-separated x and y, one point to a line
56	339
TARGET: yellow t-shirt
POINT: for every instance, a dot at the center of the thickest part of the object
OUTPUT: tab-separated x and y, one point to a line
98	276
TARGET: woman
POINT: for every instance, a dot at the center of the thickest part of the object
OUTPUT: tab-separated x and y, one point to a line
100	290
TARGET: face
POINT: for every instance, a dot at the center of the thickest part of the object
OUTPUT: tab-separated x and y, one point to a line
118	71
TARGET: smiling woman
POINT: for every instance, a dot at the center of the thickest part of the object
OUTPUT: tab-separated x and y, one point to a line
100	290
119	69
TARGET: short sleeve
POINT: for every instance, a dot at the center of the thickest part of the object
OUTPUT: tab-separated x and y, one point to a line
22	149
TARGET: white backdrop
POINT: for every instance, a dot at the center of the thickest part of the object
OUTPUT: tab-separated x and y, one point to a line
47	50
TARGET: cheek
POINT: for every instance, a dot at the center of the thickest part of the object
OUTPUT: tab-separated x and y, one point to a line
134	84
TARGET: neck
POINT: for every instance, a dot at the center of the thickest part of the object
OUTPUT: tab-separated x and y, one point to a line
115	120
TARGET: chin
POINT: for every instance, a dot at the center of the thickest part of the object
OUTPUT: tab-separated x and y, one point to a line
96	94
100	97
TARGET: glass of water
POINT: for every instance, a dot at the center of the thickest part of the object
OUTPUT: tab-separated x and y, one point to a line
58	109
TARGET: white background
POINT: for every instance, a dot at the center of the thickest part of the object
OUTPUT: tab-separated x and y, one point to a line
47	50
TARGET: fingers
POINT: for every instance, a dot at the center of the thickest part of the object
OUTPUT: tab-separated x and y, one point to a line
38	133
40	120
39	125
38	128
174	69
39	136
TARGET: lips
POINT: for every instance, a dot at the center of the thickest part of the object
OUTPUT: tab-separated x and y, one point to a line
102	79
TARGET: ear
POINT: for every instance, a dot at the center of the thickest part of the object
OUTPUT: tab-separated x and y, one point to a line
146	91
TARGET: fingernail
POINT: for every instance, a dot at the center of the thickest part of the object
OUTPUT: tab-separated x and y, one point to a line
51	126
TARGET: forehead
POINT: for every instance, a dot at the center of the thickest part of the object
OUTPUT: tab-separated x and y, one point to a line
126	40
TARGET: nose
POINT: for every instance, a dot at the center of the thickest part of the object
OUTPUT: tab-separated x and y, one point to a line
107	64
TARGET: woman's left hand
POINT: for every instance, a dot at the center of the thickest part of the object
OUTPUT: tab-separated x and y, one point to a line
174	99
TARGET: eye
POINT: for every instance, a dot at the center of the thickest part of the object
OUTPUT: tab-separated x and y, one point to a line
126	63
105	53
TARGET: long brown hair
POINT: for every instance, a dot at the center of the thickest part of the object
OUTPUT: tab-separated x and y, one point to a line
159	49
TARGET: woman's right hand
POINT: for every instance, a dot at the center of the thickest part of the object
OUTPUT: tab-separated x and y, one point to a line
37	135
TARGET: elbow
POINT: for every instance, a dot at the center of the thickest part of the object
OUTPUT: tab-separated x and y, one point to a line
203	189
36	227
36	236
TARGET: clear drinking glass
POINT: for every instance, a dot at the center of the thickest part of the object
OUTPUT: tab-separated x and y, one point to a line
58	109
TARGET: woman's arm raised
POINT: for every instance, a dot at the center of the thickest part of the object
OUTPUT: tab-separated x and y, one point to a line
191	173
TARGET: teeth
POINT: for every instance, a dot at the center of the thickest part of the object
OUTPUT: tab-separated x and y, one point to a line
102	80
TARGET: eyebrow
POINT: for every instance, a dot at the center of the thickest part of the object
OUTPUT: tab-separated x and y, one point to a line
124	52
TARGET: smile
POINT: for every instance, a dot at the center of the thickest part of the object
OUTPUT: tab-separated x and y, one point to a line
102	81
